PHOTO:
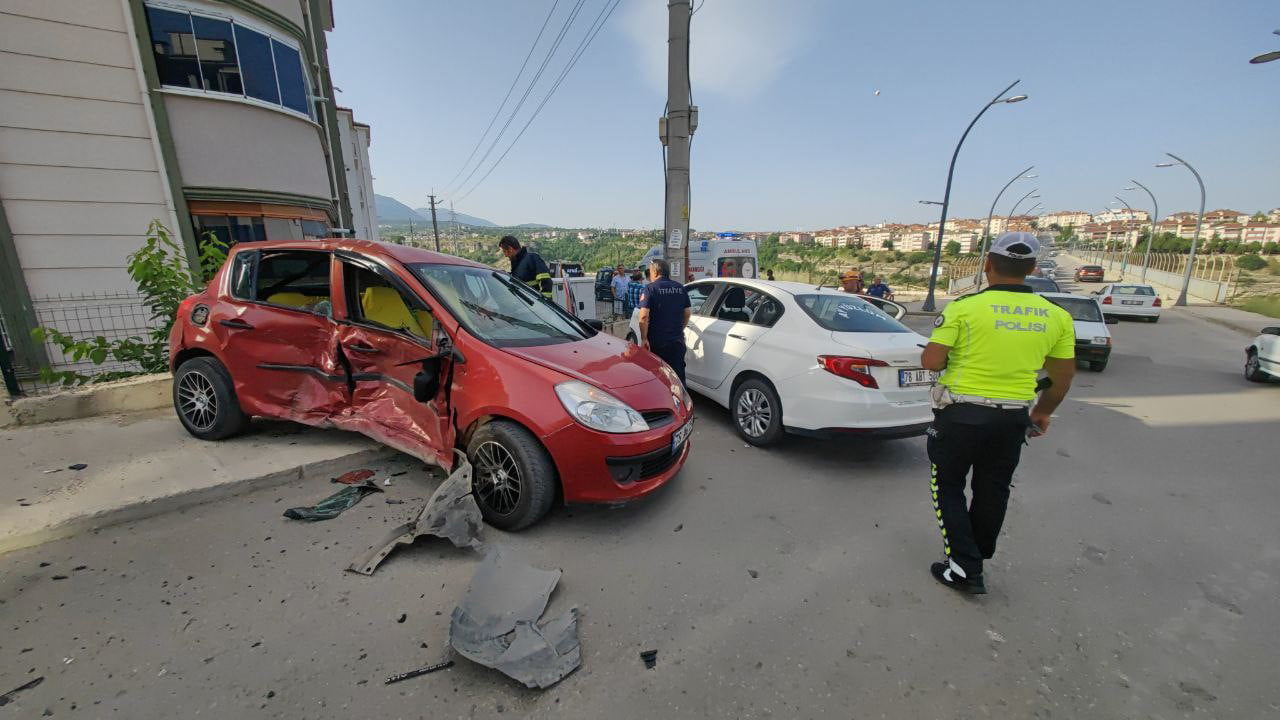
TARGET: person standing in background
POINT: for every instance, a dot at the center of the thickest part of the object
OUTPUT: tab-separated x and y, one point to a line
664	313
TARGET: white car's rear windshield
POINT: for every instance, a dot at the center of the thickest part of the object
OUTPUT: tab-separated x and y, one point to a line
848	314
1079	308
1133	290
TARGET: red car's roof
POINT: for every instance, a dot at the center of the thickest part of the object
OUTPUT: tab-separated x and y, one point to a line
402	253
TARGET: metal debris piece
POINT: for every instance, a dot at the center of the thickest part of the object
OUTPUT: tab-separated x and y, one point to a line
77	466
420	671
650	658
495	625
451	513
8	697
332	506
354	477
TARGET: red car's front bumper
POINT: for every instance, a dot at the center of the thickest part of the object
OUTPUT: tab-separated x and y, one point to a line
598	467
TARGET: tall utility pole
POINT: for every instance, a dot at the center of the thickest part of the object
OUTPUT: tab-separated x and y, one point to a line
434	228
675	132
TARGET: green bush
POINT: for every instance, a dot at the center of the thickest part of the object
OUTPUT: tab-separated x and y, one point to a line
864	257
916	258
164	279
1250	262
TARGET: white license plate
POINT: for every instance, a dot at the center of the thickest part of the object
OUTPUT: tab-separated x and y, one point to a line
681	436
909	378
1130	302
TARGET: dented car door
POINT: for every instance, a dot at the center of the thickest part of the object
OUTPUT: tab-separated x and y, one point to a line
399	360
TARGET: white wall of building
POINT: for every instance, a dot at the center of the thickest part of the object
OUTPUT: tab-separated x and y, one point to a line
355	139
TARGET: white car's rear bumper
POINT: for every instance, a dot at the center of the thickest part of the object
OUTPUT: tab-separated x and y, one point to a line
819	403
1131	310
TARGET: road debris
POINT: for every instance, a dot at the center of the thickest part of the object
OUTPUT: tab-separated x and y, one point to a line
332	506
420	671
403	617
495	625
78	466
353	477
753	573
650	658
451	513
8	697
394	501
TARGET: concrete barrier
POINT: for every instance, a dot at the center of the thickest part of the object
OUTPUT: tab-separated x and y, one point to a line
145	392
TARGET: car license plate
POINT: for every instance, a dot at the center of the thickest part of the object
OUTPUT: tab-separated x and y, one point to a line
909	378
680	436
1130	302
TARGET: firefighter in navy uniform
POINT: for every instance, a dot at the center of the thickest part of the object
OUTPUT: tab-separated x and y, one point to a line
527	267
990	347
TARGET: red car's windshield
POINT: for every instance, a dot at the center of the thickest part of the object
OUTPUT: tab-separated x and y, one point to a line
497	309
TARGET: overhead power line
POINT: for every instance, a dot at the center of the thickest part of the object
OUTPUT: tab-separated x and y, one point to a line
506	97
555	45
596	27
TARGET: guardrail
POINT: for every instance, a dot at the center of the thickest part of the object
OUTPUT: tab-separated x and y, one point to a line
1211	277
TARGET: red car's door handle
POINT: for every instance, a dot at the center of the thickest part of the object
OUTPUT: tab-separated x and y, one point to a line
236	324
364	349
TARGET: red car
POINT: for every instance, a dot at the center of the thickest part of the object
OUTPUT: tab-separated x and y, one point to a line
1089	273
429	354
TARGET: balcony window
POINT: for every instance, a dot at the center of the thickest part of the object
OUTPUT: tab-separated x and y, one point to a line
219	55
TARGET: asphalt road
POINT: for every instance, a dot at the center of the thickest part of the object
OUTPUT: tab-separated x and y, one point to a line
1137	578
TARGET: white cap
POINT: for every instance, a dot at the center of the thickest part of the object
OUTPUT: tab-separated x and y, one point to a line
1016	245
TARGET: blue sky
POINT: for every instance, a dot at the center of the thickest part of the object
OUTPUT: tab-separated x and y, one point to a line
791	133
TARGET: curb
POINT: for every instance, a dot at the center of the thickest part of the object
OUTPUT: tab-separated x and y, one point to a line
1229	324
145	392
151	507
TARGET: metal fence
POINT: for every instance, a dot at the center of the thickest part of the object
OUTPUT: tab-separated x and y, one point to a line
112	316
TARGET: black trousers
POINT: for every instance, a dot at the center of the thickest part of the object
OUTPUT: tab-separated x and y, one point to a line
988	442
672	354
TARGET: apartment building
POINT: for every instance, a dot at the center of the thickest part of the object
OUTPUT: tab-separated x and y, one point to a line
1065	218
213	117
795	238
1268	232
1122	215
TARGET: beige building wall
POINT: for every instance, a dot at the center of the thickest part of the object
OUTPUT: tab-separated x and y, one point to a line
220	144
80	173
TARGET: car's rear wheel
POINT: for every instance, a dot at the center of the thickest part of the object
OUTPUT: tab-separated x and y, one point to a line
757	412
1097	365
205	399
1253	368
514	479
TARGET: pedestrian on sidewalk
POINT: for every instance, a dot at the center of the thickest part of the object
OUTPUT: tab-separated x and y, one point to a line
880	290
990	346
618	285
664	313
635	288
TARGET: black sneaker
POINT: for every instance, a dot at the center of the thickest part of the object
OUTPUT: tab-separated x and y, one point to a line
942	573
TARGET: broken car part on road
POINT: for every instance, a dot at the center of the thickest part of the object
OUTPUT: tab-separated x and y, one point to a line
451	513
420	671
332	506
495	625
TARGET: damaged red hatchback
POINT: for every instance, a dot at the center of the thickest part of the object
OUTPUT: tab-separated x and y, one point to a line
429	354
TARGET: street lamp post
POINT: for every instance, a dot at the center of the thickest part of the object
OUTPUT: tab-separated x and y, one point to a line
1155	215
986	232
1191	259
1124	261
1028	196
929	305
1267	57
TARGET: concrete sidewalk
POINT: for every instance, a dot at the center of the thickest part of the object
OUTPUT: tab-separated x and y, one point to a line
1242	321
144	464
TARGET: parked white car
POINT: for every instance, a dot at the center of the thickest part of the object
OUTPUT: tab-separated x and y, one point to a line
1130	300
1262	357
790	357
1093	337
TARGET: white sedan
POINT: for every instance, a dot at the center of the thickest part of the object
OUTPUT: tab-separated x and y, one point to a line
790	357
1130	300
1262	357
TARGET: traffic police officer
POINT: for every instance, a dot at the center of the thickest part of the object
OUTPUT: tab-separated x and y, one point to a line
990	346
527	267
664	313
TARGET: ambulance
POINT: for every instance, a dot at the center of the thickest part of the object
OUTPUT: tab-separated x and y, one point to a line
726	255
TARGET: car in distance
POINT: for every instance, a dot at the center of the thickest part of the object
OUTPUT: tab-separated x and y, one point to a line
1047	269
604	290
429	354
1089	273
788	357
1262	357
1042	285
1125	300
1093	338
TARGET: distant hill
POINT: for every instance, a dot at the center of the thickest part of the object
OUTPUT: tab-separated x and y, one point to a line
391	210
443	215
533	226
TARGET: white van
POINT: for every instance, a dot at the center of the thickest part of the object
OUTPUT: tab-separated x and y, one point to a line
727	255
